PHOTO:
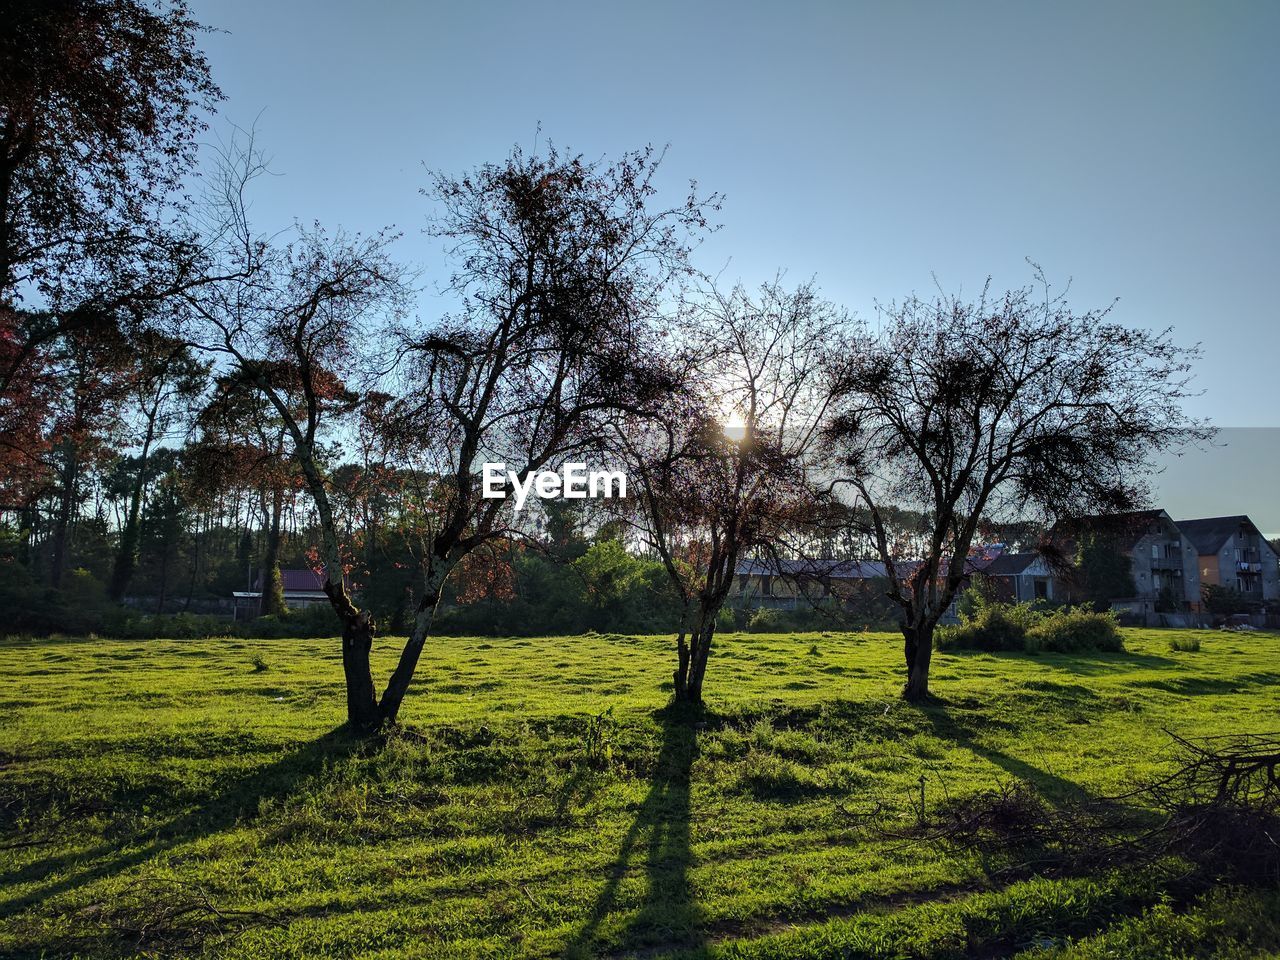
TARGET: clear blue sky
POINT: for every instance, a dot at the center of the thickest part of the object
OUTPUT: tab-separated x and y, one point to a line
1131	146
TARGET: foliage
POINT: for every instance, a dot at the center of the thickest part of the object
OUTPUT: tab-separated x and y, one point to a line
765	620
1033	627
1103	572
1226	601
1076	630
607	589
994	626
960	408
102	104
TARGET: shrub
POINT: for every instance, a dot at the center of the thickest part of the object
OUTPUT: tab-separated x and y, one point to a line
1032	628
766	620
1075	630
726	620
994	626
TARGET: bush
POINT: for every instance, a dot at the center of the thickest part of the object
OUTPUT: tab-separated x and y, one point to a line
310	620
1076	630
726	620
995	626
766	620
1184	644
1030	627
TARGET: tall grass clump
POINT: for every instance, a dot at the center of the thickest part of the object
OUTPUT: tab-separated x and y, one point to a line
993	626
1031	627
1076	630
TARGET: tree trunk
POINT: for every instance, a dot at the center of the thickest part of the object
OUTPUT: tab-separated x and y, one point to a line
701	653
127	555
357	641
62	522
918	650
398	685
272	599
681	677
693	656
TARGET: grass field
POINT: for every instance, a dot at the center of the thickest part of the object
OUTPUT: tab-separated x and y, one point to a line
198	798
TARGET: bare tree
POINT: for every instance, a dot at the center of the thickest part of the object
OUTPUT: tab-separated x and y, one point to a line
293	317
562	265
724	467
1007	406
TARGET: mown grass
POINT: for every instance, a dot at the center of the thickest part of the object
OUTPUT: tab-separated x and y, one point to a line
198	798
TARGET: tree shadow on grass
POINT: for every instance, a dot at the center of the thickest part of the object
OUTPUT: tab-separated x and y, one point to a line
1084	663
947	727
669	915
238	798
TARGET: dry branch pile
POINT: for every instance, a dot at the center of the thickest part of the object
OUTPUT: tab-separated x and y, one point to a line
1219	811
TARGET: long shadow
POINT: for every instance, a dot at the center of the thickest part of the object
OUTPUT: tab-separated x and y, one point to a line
1083	663
238	798
947	727
669	914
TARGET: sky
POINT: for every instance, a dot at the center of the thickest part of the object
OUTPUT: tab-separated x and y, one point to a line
882	149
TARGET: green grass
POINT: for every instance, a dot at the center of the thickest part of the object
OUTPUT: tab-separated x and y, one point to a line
197	798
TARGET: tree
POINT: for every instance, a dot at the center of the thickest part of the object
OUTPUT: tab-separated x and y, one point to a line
724	468
1226	601
295	333
561	268
163	374
165	531
1103	572
101	104
1004	406
83	422
243	442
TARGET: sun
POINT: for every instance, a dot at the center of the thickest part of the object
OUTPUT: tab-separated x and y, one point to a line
735	428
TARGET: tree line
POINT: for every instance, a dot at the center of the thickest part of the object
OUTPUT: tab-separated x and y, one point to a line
180	386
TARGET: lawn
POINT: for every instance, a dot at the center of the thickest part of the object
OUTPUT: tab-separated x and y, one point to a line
198	798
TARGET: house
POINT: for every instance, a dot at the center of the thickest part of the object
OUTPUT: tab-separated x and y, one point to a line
783	583
1020	578
302	588
1232	553
1161	559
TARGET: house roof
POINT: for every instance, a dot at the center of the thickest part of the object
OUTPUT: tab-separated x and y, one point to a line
1210	533
978	561
297	580
829	569
1010	564
1125	528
